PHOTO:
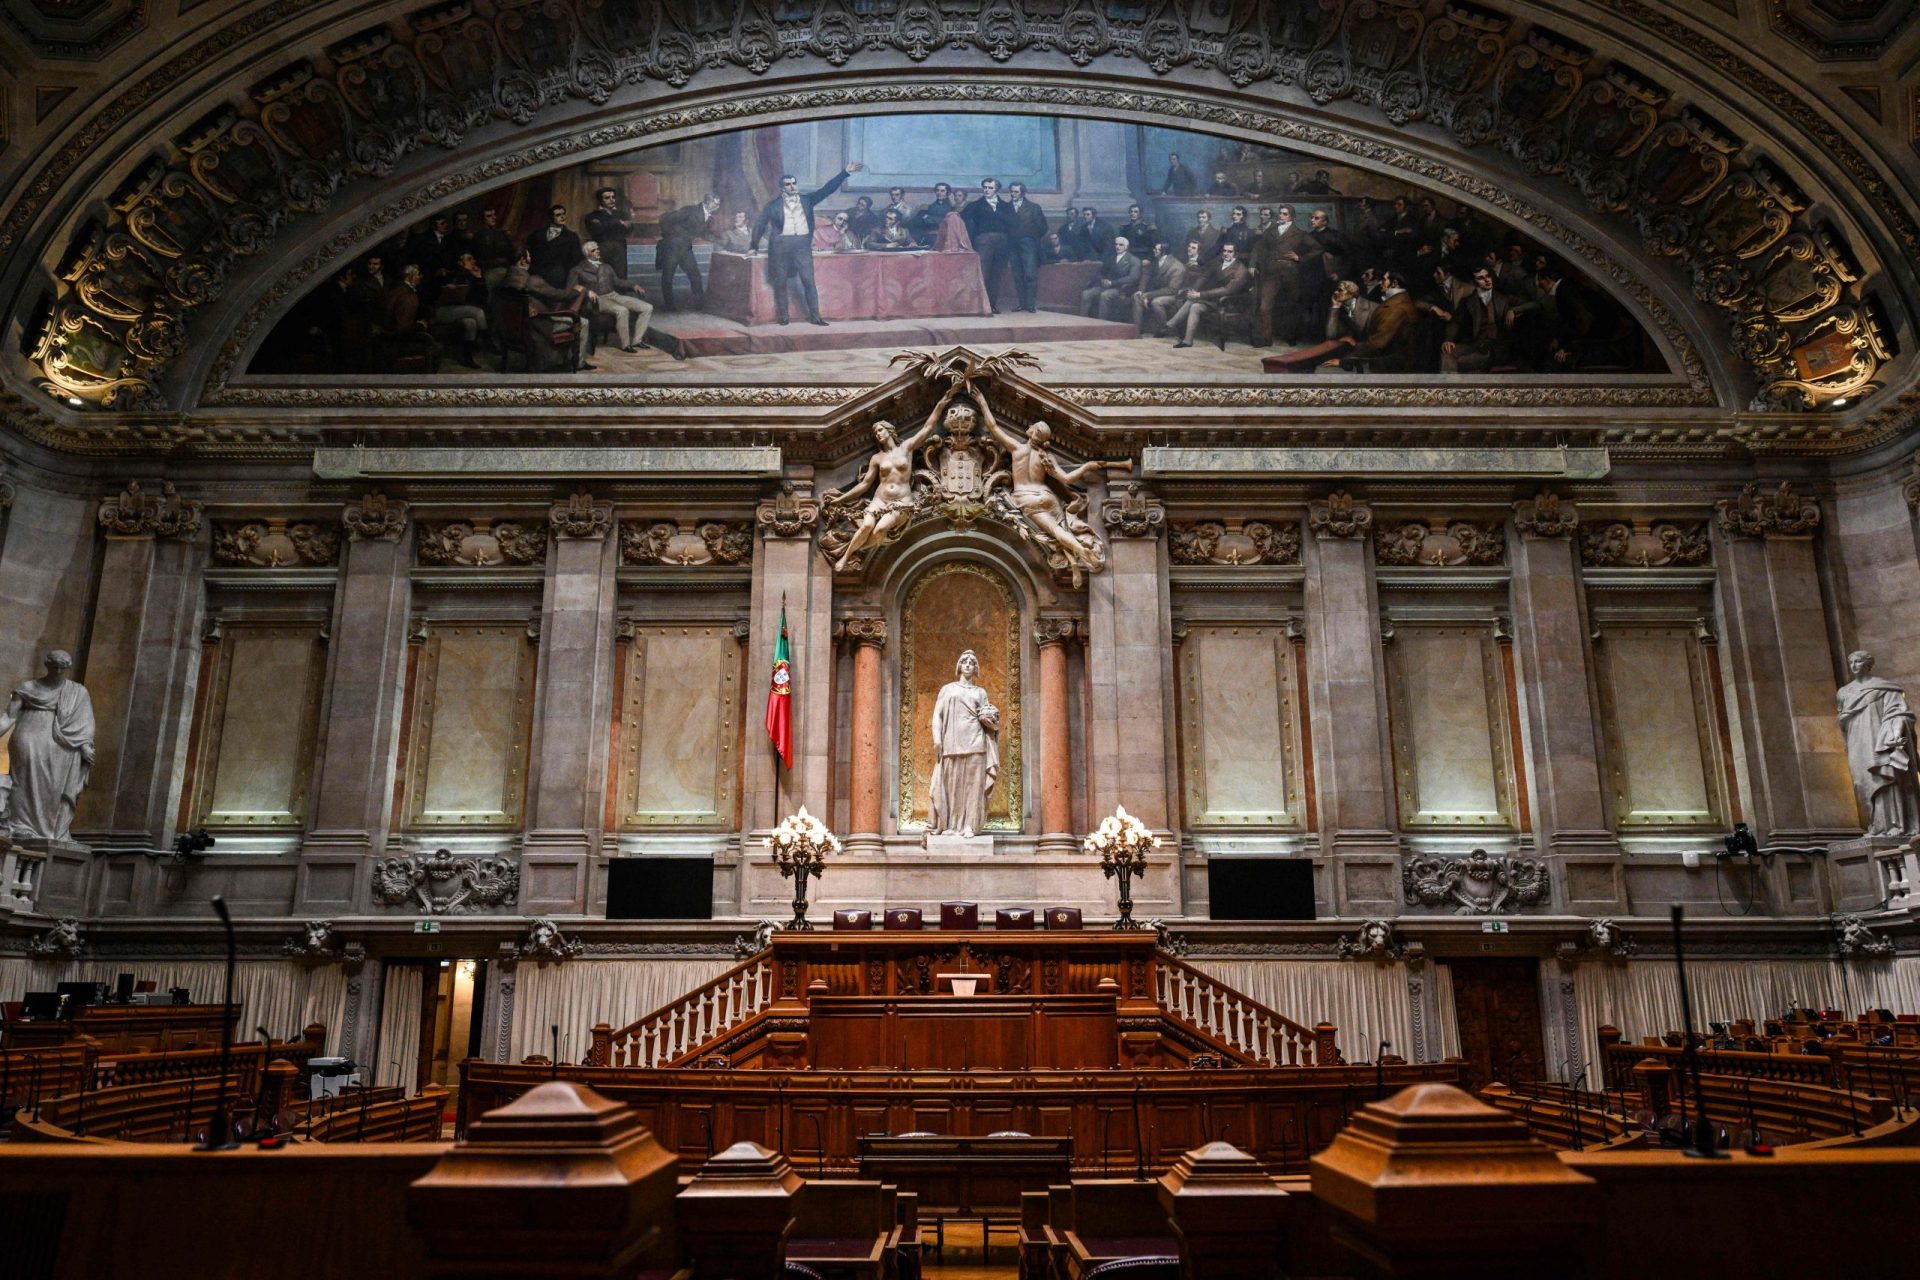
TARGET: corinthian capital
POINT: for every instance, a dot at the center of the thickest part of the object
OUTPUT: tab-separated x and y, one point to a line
1340	517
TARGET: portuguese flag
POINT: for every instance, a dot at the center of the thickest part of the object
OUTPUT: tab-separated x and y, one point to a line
780	697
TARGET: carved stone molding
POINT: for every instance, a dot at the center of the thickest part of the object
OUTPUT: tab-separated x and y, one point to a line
275	543
135	513
63	941
1048	631
1545	515
1339	517
1779	514
542	942
1236	542
481	543
1478	884
315	943
787	515
1441	542
858	631
441	884
580	517
1606	937
375	518
1134	513
1646	544
685	543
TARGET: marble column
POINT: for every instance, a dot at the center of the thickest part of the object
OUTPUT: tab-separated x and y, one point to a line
1346	693
1130	663
865	792
573	705
140	667
352	790
1782	682
789	568
1056	744
1561	730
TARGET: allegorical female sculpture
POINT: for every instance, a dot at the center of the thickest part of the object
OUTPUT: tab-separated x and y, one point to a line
1878	722
51	752
966	748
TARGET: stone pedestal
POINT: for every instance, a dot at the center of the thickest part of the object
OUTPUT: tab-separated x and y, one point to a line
567	773
975	846
366	673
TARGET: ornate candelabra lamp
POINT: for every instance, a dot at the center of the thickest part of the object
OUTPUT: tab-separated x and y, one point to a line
1122	842
800	845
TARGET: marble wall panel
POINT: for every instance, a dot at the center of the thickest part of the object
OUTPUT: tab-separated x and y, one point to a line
1452	764
1658	720
680	727
472	706
1239	727
256	750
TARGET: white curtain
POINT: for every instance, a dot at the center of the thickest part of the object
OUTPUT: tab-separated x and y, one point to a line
575	995
1640	998
1366	1001
397	1052
279	995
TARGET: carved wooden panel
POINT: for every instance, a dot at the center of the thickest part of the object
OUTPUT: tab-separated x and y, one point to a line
1663	747
472	710
1497	1008
1452	760
1240	727
680	717
254	755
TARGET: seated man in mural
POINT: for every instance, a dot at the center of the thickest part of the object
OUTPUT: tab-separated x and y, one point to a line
554	320
863	221
609	295
1164	302
555	248
1223	186
1228	278
898	202
1480	334
1074	246
737	238
1207	234
1117	280
1140	233
1163	277
926	223
1052	250
461	304
836	236
1096	234
891	235
1385	345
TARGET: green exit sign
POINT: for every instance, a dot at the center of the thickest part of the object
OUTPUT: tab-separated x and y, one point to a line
426	926
1486	926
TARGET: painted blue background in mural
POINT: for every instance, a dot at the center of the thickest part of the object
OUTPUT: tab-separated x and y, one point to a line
918	151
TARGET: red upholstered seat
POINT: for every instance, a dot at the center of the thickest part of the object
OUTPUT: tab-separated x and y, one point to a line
1015	918
903	918
1062	917
853	920
959	915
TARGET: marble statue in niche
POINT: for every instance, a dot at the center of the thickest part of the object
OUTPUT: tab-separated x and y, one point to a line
966	729
889	474
1878	722
51	753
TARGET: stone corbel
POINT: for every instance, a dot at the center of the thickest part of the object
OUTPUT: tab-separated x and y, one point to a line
788	515
580	517
63	941
1135	513
1545	516
1048	631
135	513
1340	517
375	518
1780	514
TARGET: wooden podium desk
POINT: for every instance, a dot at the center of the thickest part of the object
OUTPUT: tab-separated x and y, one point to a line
963	1033
967	1177
125	1028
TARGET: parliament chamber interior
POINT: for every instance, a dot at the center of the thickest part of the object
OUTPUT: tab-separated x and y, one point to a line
968	639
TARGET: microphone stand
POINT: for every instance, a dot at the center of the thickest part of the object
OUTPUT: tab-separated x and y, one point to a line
1106	1124
219	1124
819	1148
1380	1071
553	1064
1579	1142
1701	1145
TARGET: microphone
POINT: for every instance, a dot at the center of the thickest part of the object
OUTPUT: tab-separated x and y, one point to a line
1700	1144
1380	1071
219	1127
1139	1148
553	1072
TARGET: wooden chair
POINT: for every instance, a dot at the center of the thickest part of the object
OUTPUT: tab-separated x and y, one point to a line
1236	309
1033	1235
1115	1219
841	1226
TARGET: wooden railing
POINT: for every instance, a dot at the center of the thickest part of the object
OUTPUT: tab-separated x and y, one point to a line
389	1119
677	1031
1242	1024
153	1111
29	1075
246	1061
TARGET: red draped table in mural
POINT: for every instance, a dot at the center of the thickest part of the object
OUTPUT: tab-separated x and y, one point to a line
854	286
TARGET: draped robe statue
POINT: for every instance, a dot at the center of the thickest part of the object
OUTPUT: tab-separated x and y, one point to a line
1878	722
966	750
51	752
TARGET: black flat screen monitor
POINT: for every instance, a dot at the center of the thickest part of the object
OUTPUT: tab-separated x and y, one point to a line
1260	888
